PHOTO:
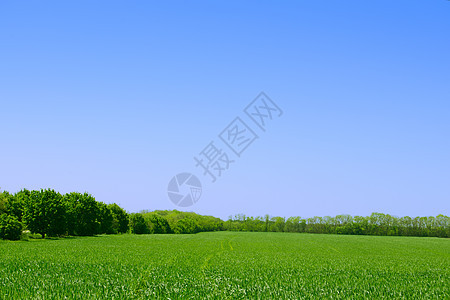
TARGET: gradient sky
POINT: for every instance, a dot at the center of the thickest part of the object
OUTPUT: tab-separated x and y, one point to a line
116	97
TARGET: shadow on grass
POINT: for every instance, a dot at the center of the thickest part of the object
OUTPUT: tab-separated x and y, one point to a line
26	237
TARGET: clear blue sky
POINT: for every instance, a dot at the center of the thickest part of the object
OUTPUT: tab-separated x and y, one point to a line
116	97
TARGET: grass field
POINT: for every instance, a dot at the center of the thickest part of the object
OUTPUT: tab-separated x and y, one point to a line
226	265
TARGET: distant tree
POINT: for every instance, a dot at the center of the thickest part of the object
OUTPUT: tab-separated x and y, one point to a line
209	223
267	223
406	226
375	224
45	213
443	224
192	222
186	225
279	224
253	224
360	225
293	224
157	224
240	217
138	225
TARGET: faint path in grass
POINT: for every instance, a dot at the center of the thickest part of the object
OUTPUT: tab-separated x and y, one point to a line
220	250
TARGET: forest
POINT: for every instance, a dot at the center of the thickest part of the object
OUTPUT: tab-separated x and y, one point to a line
47	213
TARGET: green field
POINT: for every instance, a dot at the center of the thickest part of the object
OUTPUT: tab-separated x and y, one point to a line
226	265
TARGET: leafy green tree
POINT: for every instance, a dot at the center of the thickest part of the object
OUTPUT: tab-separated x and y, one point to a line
443	223
360	225
4	199
120	218
293	224
406	226
209	223
196	223
16	203
158	224
253	224
105	219
45	213
229	225
267	223
138	225
83	213
10	227
185	226
279	224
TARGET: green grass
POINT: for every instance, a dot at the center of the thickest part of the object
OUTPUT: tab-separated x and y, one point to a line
226	265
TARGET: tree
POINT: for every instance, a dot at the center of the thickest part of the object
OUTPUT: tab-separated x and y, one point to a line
4	199
443	223
158	224
10	227
45	213
82	214
279	224
293	224
138	224
120	218
406	226
360	225
16	204
209	223
266	223
185	225
105	219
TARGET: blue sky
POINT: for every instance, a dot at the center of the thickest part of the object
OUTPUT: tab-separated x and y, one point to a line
115	98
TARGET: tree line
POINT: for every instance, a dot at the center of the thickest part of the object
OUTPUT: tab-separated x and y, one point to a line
174	221
375	224
49	213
